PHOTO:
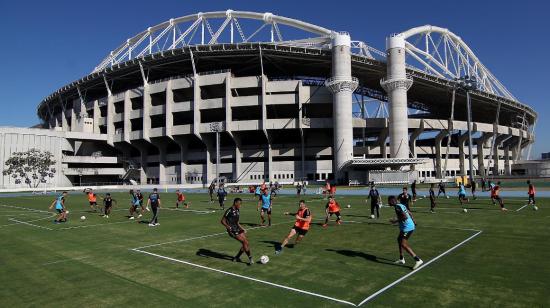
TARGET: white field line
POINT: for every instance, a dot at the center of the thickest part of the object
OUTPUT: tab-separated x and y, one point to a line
427	226
18	222
95	225
202	236
245	277
29	224
521	208
24	208
418	269
65	260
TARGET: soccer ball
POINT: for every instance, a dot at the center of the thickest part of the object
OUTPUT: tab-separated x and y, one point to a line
349	205
264	259
465	210
535	208
447	197
82	218
371	216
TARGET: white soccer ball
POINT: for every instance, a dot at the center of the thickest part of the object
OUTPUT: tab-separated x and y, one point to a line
424	197
465	210
535	208
372	216
264	259
349	205
82	217
447	197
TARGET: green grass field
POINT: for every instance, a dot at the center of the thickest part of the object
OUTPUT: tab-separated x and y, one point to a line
185	260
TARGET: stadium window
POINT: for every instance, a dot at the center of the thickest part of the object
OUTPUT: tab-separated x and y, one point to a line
292	175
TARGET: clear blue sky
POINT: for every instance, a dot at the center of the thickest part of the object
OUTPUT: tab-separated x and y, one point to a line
47	44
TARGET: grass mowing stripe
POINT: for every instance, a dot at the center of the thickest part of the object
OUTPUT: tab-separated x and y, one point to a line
244	277
66	260
418	269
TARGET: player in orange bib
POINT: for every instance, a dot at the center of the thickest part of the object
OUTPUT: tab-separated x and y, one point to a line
531	192
332	208
495	196
301	226
181	199
92	199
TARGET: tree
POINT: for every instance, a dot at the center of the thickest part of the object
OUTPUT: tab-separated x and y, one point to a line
31	167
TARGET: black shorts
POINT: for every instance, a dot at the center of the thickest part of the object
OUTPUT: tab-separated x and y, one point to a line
135	206
93	203
268	210
108	206
234	233
462	196
404	235
532	198
60	210
334	213
300	231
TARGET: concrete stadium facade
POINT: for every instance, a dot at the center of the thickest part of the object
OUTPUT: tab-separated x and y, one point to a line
284	112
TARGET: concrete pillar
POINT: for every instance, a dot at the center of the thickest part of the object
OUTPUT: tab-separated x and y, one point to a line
126	115
143	163
496	157
162	163
109	119
481	153
169	108
74	112
183	143
342	85
96	116
438	168
507	167
396	84
146	111
412	141
461	156
268	164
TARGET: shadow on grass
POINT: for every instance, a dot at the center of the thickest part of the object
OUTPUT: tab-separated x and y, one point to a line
366	256
206	253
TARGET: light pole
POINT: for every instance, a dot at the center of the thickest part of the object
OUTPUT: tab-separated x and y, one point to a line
217	127
469	83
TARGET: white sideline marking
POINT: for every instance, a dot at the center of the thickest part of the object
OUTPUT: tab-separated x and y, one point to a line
521	208
29	224
202	236
418	269
17	223
65	260
244	277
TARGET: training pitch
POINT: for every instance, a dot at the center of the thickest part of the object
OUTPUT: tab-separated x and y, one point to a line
482	258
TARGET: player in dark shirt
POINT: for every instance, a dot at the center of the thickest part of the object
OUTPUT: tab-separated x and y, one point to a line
154	202
413	190
230	221
221	197
432	198
405	198
374	197
108	204
441	189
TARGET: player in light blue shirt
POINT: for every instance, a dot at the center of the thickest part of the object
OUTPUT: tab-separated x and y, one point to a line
59	204
265	201
406	228
462	194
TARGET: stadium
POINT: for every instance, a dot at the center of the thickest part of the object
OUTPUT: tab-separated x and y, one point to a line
283	100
